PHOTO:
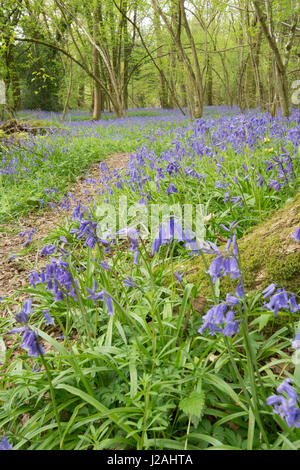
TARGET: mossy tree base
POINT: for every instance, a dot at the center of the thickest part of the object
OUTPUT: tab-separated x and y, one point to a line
268	254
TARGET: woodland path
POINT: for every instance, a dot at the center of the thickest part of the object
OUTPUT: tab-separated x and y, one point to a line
14	269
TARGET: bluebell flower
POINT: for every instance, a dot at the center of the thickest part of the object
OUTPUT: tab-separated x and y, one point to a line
216	320
231	300
269	290
225	228
35	368
56	278
93	295
210	248
216	269
4	444
286	407
29	237
109	303
178	276
30	341
129	282
171	189
296	235
167	231
240	292
296	342
104	265
279	299
22	316
48	250
48	319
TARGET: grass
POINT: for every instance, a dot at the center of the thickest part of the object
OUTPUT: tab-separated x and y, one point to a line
41	163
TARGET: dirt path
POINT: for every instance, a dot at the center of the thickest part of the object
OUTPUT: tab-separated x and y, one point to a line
14	271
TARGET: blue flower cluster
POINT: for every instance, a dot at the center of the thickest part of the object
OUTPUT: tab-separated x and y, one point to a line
171	229
220	318
279	299
286	406
101	295
30	340
4	444
57	279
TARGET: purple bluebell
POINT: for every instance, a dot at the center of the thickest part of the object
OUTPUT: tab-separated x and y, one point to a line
210	248
232	300
22	316
56	278
269	290
240	292
296	342
171	189
104	265
93	295
178	276
48	250
129	282
48	319
286	407
296	235
4	444
216	269
168	231
216	321
109	303
280	299
30	341
225	228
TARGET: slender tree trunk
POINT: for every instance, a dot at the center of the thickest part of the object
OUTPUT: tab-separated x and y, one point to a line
12	78
194	77
209	83
96	68
163	94
68	93
81	92
280	75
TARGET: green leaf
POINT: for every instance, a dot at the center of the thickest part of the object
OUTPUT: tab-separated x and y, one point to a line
264	320
193	406
94	402
220	384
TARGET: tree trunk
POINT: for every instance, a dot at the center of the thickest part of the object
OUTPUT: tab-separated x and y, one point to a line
209	83
12	78
96	69
68	93
280	75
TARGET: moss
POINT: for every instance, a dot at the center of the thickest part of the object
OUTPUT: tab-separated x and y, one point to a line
268	254
20	135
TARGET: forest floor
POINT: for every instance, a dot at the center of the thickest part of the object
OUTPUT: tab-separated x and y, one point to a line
17	262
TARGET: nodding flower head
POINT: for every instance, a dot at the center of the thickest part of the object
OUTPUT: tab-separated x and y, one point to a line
4	444
22	316
284	406
30	341
296	235
171	229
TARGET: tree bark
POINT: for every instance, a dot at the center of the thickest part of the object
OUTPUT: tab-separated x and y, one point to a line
280	75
